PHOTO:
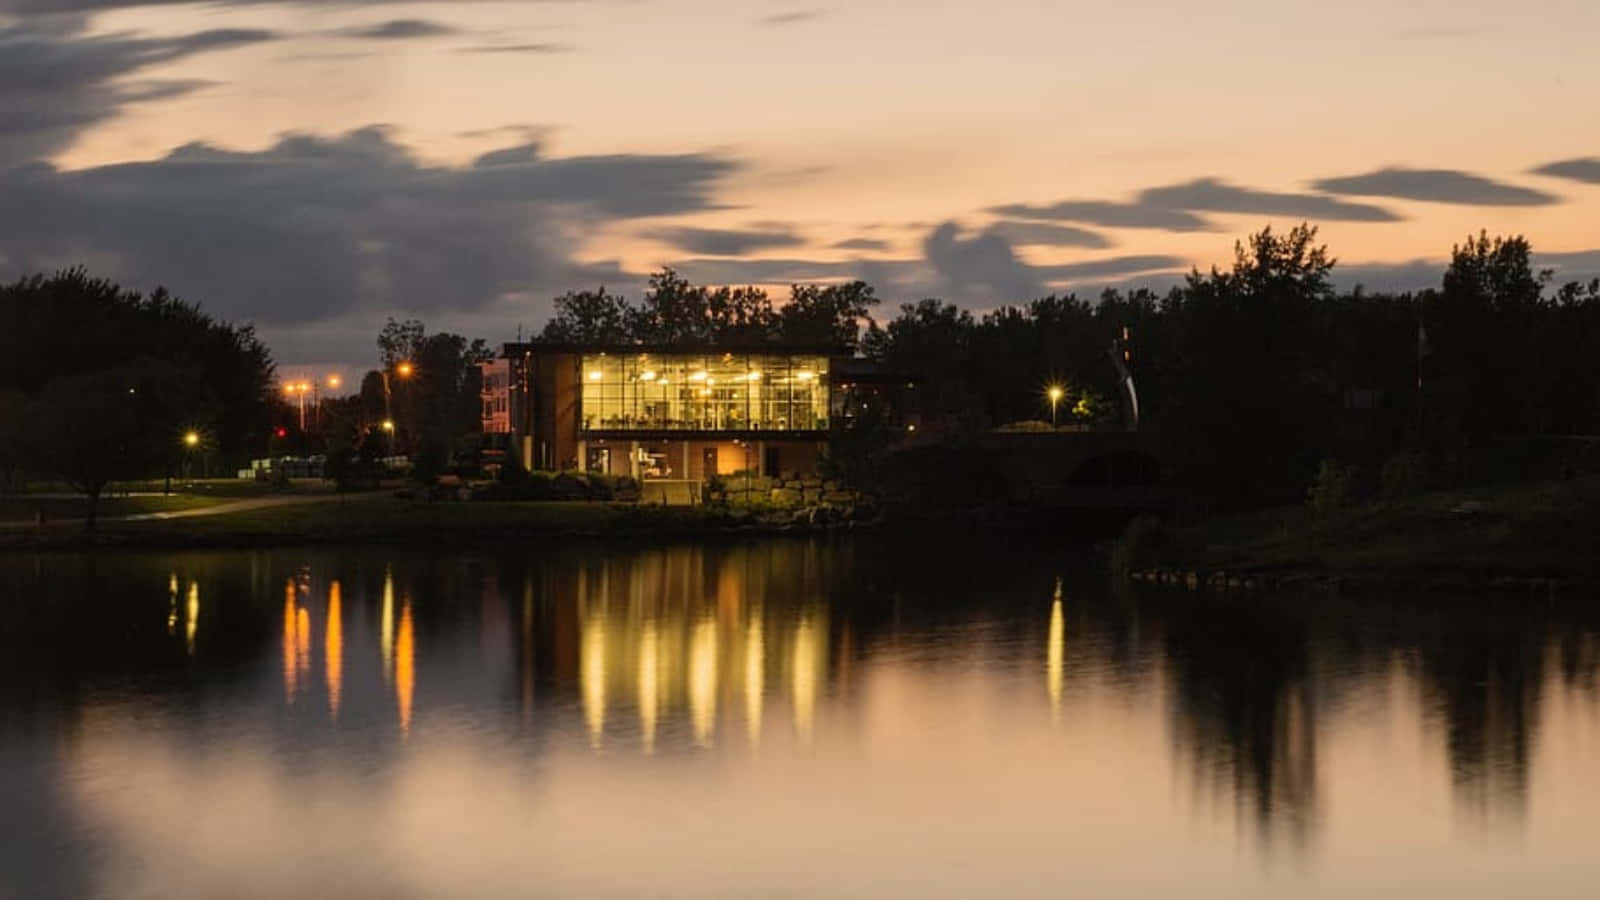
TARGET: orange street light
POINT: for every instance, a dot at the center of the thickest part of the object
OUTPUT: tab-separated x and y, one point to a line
404	370
1054	393
334	381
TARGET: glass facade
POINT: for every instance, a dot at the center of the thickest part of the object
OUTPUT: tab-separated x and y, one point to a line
704	392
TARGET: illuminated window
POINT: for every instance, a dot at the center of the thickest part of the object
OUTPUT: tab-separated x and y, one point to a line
704	392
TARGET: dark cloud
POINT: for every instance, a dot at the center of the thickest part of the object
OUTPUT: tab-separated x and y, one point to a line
313	229
56	81
793	17
1585	169
869	245
985	261
1109	215
726	241
1114	267
1215	196
1435	186
398	29
1042	234
519	48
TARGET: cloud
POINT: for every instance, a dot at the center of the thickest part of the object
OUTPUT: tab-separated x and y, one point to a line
870	245
398	29
56	81
1113	267
1585	169
793	17
1435	186
519	48
984	261
1215	196
1040	234
313	229
1109	215
726	242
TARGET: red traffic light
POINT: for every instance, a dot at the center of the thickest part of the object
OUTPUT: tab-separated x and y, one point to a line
281	431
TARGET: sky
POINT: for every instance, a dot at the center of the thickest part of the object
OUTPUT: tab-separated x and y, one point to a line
315	167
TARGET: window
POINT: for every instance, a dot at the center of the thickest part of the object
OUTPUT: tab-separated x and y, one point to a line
704	392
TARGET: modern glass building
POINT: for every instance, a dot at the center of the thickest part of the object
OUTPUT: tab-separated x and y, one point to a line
670	412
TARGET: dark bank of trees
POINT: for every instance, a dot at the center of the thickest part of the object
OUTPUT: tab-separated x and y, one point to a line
99	383
1259	373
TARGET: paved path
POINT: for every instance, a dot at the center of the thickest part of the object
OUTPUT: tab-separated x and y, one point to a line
220	509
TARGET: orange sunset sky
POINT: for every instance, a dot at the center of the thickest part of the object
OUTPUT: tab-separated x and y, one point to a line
314	167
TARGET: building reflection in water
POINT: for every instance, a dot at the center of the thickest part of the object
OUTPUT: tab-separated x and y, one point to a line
405	673
755	676
191	621
676	637
1055	653
703	680
386	623
291	668
333	649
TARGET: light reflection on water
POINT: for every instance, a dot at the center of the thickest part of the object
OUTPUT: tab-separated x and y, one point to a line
781	719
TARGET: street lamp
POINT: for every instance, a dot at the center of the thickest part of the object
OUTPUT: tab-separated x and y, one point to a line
1054	393
404	370
299	389
191	439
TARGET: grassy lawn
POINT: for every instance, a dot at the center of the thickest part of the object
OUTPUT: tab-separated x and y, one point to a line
385	517
23	509
1511	528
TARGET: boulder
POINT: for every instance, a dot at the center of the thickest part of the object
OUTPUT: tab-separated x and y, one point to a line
784	497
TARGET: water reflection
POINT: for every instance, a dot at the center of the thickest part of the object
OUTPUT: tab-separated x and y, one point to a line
850	709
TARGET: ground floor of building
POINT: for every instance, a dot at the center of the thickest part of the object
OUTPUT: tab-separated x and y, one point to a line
697	460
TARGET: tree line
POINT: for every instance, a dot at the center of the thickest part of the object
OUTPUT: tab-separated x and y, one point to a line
101	384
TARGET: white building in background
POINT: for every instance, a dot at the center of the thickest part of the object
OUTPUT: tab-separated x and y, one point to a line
496	396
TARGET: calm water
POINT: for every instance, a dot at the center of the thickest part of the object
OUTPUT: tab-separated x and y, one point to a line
782	719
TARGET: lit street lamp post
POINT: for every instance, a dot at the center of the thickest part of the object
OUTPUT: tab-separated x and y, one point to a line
1054	393
404	370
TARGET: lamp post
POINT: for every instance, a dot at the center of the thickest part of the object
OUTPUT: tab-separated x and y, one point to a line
402	369
1054	393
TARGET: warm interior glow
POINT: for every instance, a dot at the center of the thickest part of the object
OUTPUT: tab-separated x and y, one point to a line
596	375
805	375
701	375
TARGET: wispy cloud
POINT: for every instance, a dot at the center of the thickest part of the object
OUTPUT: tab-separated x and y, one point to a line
793	17
1584	169
726	241
519	48
398	29
1435	186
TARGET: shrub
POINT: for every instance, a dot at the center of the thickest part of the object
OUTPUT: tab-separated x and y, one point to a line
1332	490
1145	541
1405	474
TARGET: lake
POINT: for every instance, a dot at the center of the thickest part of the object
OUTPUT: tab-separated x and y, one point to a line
863	717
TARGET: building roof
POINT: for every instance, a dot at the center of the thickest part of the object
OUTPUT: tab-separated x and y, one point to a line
518	348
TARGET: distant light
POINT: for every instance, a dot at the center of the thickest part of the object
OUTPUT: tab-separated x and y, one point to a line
596	375
388	425
404	370
754	376
805	375
282	431
1054	393
334	381
911	428
191	439
648	375
701	375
